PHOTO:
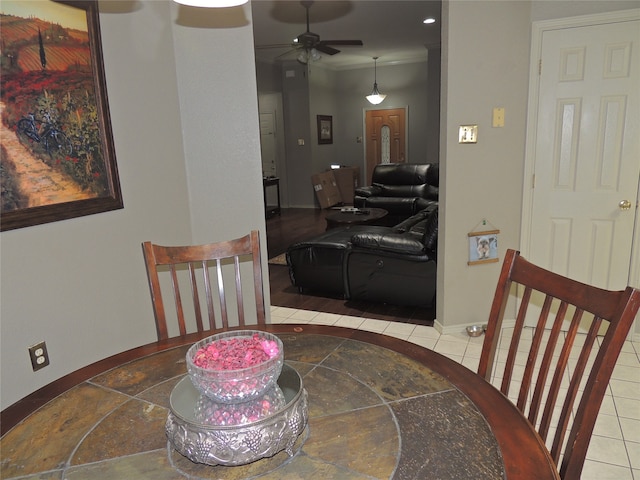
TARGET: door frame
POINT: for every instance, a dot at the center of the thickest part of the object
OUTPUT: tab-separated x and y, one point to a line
538	29
364	133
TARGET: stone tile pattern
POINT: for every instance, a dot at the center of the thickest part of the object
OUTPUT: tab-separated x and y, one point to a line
373	413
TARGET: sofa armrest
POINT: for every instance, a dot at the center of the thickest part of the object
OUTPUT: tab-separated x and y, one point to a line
389	242
369	191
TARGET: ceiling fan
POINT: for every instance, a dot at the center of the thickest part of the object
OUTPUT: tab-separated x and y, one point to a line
309	43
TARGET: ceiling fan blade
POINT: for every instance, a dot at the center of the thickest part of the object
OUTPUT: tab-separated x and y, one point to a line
274	45
321	47
286	53
342	42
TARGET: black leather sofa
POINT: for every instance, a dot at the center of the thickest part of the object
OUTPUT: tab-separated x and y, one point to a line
395	265
403	189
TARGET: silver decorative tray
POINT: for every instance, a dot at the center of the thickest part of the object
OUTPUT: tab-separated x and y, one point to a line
204	431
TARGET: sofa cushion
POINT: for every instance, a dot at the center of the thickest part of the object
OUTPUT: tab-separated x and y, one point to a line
402	174
404	190
389	242
393	205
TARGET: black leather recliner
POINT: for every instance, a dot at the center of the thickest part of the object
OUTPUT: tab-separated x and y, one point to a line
395	265
403	189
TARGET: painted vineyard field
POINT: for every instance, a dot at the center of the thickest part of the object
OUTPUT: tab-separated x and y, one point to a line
49	101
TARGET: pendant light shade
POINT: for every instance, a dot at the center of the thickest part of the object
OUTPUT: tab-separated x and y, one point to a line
211	3
376	97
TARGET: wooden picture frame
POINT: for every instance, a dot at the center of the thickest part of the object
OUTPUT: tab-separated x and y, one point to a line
483	247
58	157
325	129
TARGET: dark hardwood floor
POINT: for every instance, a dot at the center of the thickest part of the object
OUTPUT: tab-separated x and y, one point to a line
297	224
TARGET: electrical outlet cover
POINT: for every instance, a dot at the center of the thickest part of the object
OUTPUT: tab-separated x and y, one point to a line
39	356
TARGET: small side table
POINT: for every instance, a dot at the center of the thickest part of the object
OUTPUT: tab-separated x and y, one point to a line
271	210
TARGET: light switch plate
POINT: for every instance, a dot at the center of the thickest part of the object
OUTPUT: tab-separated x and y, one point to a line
498	117
468	134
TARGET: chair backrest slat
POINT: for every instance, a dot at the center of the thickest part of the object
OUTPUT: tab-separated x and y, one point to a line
556	383
206	279
232	255
545	365
178	299
195	297
568	308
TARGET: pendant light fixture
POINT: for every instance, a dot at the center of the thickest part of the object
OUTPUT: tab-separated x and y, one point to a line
376	97
211	3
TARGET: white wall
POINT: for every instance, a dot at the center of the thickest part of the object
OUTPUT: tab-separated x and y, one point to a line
80	284
483	180
485	64
220	126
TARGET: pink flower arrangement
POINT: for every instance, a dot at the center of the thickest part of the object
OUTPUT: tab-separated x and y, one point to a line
235	353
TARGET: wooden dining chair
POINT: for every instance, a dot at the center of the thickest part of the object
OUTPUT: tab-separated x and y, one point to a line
192	265
562	311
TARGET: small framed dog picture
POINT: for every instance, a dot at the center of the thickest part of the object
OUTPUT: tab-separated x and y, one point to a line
483	247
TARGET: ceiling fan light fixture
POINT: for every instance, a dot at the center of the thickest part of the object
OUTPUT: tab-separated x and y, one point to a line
375	97
211	3
314	55
308	55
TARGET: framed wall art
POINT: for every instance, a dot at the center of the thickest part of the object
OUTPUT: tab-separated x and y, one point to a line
483	244
58	159
325	129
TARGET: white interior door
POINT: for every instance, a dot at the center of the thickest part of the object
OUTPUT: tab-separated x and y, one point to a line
583	155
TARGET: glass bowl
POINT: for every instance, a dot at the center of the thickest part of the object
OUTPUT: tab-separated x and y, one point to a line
239	385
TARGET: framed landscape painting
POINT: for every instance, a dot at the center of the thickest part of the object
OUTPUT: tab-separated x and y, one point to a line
58	159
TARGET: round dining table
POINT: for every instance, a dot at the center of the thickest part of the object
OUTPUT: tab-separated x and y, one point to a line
378	407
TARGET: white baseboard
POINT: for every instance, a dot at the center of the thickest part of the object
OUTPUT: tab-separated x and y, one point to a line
507	323
453	329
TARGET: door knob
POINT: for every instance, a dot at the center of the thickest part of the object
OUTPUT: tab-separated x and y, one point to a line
625	205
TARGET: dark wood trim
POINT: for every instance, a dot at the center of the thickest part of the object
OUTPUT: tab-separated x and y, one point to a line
524	453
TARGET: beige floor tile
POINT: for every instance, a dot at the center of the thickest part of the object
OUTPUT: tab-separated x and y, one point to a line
605	471
630	429
283	311
608	426
471	363
473	351
304	315
608	450
627	407
634	455
426	332
349	321
450	348
625	389
628	358
324	318
455	358
626	372
608	406
373	325
456	337
396	328
429	343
